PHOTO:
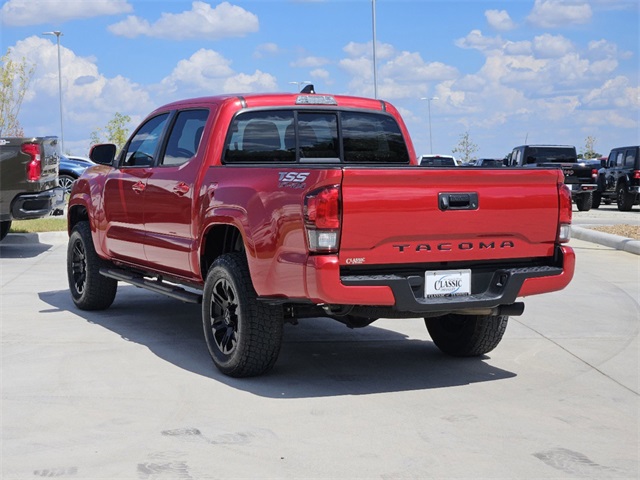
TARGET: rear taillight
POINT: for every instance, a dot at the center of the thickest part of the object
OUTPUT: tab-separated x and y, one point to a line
34	167
594	173
322	219
565	214
636	174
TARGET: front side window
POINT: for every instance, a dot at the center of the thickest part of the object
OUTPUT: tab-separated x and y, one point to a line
620	159
185	136
144	144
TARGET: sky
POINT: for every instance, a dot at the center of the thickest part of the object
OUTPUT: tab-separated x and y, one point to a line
504	72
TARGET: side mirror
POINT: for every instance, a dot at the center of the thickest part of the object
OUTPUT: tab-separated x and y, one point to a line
103	153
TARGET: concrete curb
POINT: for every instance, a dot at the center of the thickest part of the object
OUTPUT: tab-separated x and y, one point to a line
614	241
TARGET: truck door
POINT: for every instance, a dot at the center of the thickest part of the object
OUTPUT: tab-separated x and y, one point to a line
124	192
169	196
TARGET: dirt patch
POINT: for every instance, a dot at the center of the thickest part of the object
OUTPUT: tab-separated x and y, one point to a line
625	230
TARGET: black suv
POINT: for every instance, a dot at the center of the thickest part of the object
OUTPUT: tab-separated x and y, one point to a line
620	179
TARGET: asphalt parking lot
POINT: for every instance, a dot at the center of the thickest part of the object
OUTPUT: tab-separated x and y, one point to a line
130	393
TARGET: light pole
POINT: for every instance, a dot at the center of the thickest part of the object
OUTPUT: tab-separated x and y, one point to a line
428	99
298	84
375	68
58	34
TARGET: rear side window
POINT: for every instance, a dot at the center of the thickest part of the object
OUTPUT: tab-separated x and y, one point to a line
259	137
185	136
372	138
630	158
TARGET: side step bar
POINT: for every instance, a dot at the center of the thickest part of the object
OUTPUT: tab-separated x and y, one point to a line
157	286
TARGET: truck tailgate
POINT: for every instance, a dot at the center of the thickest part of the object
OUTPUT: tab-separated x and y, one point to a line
424	215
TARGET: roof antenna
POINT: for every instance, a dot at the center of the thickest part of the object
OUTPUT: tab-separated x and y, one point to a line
308	89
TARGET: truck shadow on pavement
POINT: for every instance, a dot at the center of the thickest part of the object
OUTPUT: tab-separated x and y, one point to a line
14	247
319	357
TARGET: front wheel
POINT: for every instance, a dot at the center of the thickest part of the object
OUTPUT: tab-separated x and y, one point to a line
243	334
625	199
467	335
89	289
66	182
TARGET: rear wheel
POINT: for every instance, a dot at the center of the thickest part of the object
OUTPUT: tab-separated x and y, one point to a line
4	229
89	289
242	333
596	200
584	201
625	199
467	335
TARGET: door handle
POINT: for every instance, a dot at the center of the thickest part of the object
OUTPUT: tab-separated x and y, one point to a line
138	187
458	201
181	189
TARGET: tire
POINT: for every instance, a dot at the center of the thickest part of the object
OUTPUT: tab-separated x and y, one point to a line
243	335
625	200
596	200
467	335
66	182
89	290
4	229
584	201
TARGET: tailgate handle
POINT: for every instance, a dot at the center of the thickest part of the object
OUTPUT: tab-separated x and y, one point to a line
458	201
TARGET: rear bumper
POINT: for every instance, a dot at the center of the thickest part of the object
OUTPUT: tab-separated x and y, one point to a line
502	286
578	188
36	205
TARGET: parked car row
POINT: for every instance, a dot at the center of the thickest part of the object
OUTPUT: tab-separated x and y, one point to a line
615	178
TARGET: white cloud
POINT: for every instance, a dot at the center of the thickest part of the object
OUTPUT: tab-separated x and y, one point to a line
551	46
499	20
20	13
89	98
560	13
207	72
400	74
476	40
309	62
201	22
266	50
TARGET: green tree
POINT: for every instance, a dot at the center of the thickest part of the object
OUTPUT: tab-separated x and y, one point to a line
115	131
15	76
465	148
589	149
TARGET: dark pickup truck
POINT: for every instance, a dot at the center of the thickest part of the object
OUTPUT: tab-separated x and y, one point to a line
579	175
619	180
28	179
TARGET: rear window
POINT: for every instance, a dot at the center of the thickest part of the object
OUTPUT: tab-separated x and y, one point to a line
315	137
550	155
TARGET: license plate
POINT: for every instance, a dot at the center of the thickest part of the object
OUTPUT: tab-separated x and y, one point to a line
447	283
570	185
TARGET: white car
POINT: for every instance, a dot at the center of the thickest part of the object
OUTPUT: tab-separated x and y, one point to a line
437	161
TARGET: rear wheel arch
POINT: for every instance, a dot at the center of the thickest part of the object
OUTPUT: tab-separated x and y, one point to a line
219	240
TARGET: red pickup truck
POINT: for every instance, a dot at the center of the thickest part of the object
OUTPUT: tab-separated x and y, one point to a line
273	207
